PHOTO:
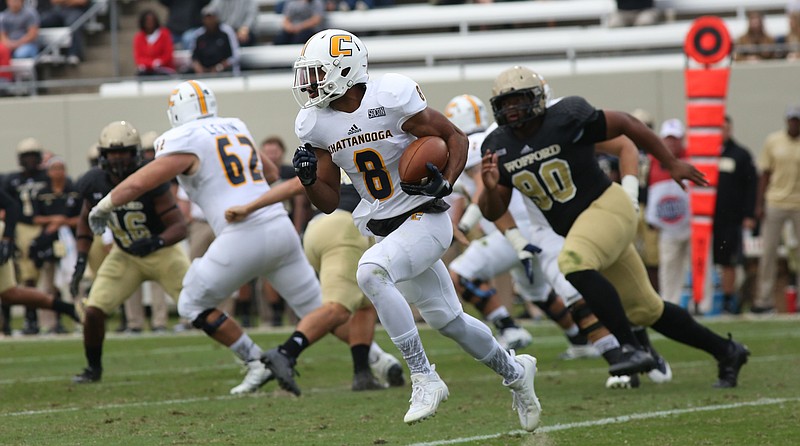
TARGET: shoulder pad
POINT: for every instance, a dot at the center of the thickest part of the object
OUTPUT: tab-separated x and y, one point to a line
304	123
173	141
395	90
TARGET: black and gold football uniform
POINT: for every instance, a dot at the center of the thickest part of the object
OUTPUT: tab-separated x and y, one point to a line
557	169
122	271
24	188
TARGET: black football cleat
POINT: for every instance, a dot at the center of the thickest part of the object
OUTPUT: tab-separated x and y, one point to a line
365	380
89	375
633	361
282	368
730	364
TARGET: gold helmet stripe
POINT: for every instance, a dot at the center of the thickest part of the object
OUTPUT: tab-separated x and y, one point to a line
475	108
200	97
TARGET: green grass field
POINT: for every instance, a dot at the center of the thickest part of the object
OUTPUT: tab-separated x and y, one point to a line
174	390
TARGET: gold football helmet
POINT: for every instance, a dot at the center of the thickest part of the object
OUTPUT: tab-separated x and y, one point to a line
518	96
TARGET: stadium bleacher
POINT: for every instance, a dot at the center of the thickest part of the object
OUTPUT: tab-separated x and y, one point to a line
430	36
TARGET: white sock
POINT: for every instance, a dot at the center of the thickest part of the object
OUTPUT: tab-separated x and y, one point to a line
572	331
245	349
375	352
501	362
410	345
499	313
606	343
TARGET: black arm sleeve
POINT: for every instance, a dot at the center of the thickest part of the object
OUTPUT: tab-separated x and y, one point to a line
13	210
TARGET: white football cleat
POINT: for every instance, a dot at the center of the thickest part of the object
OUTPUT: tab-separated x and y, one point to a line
622	382
662	373
427	391
525	401
579	351
257	375
514	338
388	370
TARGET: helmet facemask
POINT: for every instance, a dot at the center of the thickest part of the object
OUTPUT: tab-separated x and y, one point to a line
117	166
331	63
518	107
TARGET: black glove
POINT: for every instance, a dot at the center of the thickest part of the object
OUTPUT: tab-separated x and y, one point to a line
437	186
6	250
305	164
80	268
145	246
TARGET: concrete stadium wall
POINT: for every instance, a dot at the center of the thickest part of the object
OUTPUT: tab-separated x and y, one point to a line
68	124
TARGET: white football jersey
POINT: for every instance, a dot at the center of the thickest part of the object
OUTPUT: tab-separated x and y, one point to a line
367	144
230	171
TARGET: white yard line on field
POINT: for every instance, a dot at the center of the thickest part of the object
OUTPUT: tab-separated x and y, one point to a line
616	420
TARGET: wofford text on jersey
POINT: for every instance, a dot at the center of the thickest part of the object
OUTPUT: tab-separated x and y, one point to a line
530	158
352	141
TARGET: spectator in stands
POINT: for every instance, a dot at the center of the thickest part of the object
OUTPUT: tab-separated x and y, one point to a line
349	5
5	63
735	210
19	29
152	46
240	15
777	201
792	39
185	20
755	44
301	20
64	13
634	13
216	49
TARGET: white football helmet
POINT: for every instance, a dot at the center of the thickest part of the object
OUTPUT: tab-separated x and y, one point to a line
29	145
191	100
330	63
468	113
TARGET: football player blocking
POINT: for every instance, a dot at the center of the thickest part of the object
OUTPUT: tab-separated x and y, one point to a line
216	163
536	145
412	230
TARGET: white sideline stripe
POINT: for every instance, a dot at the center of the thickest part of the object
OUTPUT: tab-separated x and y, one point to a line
616	420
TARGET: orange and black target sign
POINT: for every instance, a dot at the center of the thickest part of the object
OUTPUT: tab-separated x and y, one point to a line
708	41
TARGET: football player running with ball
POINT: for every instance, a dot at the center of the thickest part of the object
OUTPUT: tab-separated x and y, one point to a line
145	232
548	154
362	126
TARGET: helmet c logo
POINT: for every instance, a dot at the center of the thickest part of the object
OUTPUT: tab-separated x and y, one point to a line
336	45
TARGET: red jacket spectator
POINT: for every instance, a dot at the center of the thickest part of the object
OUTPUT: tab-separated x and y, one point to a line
152	46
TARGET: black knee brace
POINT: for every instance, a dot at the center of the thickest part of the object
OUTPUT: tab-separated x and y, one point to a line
545	307
209	327
472	288
581	311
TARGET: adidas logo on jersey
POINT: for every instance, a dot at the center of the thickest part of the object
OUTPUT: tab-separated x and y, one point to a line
353	130
525	150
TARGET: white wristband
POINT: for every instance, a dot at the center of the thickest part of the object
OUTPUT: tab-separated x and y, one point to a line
472	215
517	240
631	186
105	204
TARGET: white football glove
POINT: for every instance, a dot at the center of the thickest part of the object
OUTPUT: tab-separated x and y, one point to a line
472	215
526	251
100	214
630	184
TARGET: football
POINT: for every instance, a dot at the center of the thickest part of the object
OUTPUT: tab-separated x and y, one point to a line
425	149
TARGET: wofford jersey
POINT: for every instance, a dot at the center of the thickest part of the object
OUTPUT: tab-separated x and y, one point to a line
367	144
557	161
135	220
230	171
